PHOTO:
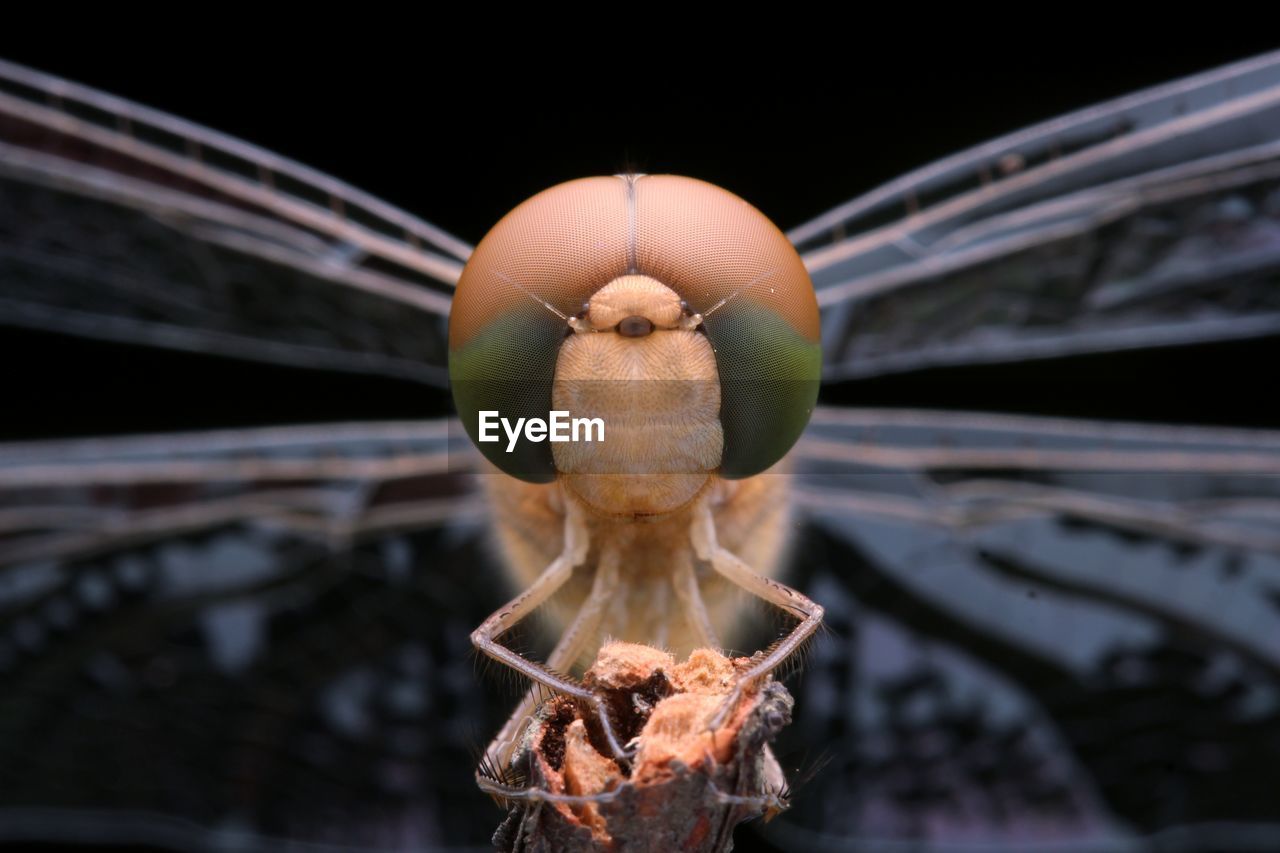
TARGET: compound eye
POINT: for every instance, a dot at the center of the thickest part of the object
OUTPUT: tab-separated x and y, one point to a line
534	271
759	312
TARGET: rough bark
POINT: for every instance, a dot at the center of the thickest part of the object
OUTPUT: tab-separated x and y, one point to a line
686	787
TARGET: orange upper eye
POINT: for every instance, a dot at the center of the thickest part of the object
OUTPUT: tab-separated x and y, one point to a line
546	258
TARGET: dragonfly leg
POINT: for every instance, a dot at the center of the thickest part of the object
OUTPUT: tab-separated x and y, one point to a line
685	584
485	638
572	643
795	603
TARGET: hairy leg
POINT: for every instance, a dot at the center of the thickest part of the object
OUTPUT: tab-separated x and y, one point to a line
582	631
685	584
485	638
809	612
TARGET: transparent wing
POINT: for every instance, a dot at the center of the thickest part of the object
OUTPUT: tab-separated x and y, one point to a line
332	483
1045	632
1048	631
248	638
1151	220
243	639
127	224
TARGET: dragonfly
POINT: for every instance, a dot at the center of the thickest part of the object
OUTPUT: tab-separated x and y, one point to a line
1041	629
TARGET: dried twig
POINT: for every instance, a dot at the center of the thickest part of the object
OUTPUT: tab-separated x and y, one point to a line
687	785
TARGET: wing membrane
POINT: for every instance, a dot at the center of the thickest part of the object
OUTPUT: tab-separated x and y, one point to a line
123	223
192	625
1060	599
1148	221
335	483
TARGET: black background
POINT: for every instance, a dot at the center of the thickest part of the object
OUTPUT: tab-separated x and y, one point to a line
460	135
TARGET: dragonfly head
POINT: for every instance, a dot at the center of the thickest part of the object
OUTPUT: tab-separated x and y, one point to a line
673	286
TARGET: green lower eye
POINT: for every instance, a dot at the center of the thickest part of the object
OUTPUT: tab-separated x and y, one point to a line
508	367
769	376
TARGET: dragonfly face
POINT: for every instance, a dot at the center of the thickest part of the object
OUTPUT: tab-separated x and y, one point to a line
1043	629
727	293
